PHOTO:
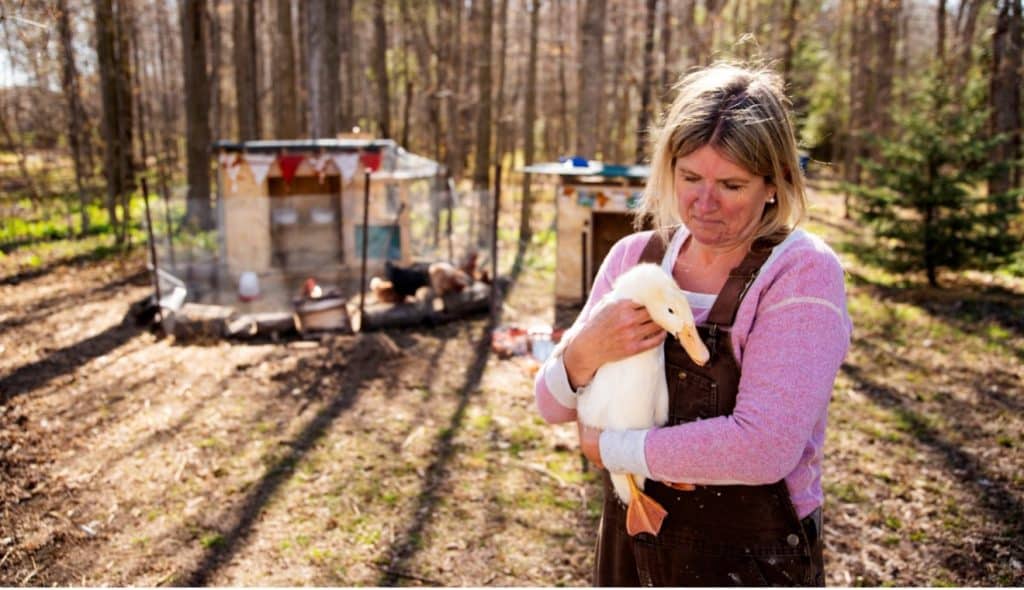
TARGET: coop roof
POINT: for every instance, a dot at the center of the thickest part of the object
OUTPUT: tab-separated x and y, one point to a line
398	163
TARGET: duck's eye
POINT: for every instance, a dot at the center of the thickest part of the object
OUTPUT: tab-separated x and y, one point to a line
672	311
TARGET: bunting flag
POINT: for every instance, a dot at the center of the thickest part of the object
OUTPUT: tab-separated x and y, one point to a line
371	160
259	164
231	165
289	163
568	191
346	163
633	201
602	199
319	164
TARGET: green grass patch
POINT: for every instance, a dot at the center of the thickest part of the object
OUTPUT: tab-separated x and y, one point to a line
210	540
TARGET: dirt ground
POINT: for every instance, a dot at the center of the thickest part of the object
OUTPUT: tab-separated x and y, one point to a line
416	457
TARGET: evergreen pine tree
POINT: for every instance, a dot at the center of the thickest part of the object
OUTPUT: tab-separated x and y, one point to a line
925	194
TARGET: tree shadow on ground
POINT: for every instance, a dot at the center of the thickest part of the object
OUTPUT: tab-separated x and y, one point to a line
246	514
970	307
29	274
407	543
64	301
995	497
60	362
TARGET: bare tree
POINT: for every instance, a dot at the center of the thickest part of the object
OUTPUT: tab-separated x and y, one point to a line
197	113
380	69
247	106
644	117
283	92
591	78
529	118
789	40
324	66
1005	90
76	112
482	158
113	61
499	111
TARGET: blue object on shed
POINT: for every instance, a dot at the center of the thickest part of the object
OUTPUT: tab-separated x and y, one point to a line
804	160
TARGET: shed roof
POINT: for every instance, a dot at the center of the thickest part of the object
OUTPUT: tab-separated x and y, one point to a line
593	168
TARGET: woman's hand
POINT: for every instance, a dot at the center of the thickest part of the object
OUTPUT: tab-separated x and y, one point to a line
618	330
590	443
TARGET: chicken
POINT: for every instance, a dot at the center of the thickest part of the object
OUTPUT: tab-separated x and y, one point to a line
632	393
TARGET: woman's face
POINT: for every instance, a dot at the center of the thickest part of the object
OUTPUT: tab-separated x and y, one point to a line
719	201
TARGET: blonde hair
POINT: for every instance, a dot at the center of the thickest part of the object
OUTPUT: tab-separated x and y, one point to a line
743	114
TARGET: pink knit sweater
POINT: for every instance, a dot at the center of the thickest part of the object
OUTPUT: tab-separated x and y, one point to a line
791	333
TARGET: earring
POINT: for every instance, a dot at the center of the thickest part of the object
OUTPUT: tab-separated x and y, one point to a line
771	201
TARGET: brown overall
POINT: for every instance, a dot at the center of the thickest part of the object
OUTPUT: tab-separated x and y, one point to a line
729	535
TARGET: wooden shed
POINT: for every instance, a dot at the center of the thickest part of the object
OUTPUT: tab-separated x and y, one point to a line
594	209
294	209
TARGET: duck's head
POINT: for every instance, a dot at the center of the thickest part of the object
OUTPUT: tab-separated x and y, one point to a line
652	287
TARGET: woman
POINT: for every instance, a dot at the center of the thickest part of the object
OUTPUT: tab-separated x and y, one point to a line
747	429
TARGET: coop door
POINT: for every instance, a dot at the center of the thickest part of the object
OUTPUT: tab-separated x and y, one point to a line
608	228
305	223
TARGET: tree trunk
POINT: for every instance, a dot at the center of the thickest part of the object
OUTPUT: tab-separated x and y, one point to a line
667	63
886	27
563	87
116	100
851	167
247	106
644	118
197	114
380	69
529	118
591	78
215	42
324	66
282	84
967	21
482	157
940	27
453	147
499	111
1005	85
789	41
76	112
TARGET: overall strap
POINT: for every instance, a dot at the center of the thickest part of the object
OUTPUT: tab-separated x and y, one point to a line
656	247
723	312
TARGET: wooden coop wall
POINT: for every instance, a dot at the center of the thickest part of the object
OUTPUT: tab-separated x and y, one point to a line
585	235
245	222
253	242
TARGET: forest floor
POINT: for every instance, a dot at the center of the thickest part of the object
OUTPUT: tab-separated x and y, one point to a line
416	457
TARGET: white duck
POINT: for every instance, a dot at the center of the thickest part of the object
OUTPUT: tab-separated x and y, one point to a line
632	393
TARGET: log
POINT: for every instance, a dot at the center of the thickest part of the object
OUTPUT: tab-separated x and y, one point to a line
252	325
453	306
384	316
197	320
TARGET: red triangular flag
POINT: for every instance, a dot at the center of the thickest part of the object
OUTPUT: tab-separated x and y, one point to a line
289	164
371	160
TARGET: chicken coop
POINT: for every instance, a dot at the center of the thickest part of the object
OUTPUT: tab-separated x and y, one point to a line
594	209
290	212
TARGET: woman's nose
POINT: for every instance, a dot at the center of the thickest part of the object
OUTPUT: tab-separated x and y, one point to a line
707	199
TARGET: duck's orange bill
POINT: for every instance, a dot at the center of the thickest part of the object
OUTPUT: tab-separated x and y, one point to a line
644	515
690	340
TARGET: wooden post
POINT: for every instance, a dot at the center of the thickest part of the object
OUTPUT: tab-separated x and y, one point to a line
152	247
495	206
583	266
366	236
448	204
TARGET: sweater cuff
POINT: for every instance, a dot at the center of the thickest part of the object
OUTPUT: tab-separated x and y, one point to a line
622	451
557	381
